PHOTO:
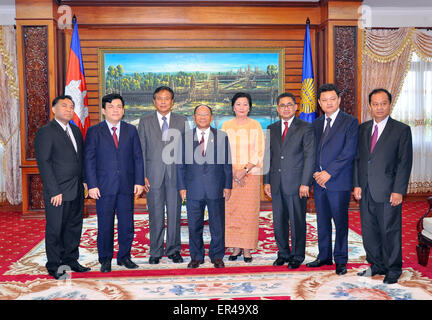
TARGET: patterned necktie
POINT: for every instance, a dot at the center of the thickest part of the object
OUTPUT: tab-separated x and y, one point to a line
285	130
164	129
374	138
115	137
202	144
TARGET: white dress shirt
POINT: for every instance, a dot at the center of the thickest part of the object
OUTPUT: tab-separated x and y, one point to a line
206	136
68	129
283	124
110	126
333	117
381	126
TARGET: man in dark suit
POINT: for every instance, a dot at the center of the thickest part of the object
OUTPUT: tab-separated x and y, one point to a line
59	150
381	174
205	178
291	153
160	133
336	135
114	172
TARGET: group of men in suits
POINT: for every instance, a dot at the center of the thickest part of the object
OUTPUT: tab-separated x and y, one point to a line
337	154
170	163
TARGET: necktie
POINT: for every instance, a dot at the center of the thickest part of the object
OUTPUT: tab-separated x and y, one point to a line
164	129
202	144
115	137
324	136
374	138
70	138
285	130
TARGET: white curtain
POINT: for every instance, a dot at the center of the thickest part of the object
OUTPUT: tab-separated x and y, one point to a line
414	107
9	115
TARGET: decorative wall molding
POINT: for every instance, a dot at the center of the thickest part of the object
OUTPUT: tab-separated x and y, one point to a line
36	83
345	66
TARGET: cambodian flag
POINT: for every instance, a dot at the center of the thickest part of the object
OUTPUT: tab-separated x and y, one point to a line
308	95
76	85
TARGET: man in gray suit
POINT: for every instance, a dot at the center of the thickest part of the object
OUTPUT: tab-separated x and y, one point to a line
291	153
382	168
160	133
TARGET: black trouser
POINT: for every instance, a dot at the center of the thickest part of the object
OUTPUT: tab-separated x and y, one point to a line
63	232
382	234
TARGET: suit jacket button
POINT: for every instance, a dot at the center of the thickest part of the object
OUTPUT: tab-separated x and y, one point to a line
282	157
279	170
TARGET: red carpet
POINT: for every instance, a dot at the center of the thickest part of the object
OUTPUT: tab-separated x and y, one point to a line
18	235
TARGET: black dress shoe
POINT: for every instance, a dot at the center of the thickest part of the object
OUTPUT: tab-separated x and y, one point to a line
341	269
318	263
218	263
280	261
390	280
176	257
76	267
128	263
194	264
154	260
234	257
370	273
56	275
294	265
105	266
247	259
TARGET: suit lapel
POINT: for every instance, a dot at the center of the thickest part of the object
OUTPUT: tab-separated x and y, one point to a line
290	132
383	137
368	134
123	133
320	125
63	134
105	131
156	127
334	127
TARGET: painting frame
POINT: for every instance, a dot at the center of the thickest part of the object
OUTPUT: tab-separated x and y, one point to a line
276	84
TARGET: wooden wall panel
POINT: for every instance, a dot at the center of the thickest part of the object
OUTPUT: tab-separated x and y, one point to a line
289	38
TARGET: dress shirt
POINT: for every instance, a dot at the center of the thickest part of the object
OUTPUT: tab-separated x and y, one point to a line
333	117
69	133
206	136
381	126
283	124
117	131
159	116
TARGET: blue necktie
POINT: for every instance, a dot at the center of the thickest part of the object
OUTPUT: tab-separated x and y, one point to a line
164	129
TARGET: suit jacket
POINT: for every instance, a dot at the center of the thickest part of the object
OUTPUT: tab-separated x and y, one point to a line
60	167
387	169
339	150
205	177
109	169
152	146
292	162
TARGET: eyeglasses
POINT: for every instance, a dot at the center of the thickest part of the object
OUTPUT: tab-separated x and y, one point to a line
286	106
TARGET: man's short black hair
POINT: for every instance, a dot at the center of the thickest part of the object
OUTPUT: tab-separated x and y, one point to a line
162	88
203	105
110	97
284	95
328	87
378	91
62	97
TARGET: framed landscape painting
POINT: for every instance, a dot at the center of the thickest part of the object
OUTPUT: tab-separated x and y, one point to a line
197	76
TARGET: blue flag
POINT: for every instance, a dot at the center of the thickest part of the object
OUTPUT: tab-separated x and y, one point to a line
308	94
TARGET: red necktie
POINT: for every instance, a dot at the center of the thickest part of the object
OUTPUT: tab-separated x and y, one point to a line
285	130
115	137
202	143
374	138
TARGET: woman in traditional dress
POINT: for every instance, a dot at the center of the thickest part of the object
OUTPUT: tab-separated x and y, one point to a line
246	140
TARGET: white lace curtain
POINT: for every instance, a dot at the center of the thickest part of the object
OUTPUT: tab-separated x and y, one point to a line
400	60
10	176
